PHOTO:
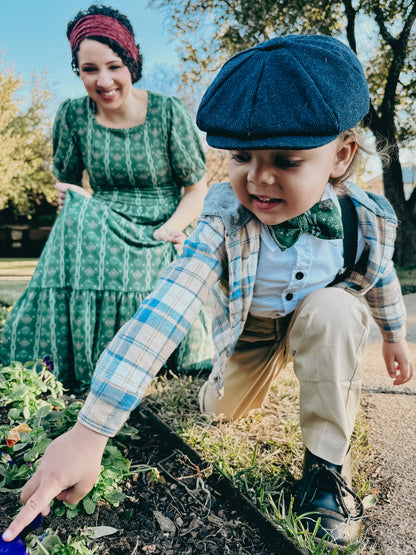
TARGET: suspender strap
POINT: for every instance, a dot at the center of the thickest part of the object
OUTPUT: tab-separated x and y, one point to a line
350	225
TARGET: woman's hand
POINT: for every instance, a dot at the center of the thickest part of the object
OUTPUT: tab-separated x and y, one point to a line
186	212
68	470
174	236
62	188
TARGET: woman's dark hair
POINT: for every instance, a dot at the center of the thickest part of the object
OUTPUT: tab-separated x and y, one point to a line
134	67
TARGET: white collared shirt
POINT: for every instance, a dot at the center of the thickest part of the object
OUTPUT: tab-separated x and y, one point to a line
284	277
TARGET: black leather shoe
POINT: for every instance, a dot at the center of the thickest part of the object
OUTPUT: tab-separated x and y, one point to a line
324	494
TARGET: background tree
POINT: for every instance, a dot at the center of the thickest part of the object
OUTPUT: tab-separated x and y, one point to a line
381	32
26	181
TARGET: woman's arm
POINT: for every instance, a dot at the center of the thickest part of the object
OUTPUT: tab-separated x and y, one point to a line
186	212
62	188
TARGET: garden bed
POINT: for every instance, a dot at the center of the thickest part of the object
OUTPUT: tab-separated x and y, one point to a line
176	514
185	484
169	507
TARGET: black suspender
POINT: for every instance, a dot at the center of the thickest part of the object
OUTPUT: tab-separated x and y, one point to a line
350	225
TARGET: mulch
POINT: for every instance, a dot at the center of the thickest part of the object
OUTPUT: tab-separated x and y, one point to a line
179	514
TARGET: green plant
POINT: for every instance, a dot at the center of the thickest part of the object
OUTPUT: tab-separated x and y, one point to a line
114	471
26	390
10	473
19	460
4	311
407	278
51	544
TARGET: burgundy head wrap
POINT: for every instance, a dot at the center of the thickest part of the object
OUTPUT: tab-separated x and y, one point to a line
103	26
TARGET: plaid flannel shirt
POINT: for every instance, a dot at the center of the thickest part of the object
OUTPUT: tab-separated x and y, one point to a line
222	255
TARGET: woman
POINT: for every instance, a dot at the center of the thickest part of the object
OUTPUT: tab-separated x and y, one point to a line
146	167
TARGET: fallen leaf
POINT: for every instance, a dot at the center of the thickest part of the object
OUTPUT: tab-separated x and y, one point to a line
100	531
22	429
369	501
12	437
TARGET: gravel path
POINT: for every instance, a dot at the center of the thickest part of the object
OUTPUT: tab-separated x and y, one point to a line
392	422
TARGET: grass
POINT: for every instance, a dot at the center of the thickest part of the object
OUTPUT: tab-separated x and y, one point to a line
262	454
15	274
407	278
11	291
22	267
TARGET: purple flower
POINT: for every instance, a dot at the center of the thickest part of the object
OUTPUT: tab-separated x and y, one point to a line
15	547
47	361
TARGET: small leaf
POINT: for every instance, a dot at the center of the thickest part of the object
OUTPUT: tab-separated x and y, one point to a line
89	505
369	501
59	511
14	413
22	429
114	497
100	531
72	513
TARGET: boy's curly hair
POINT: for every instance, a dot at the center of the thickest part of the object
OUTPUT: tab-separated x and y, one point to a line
358	160
134	67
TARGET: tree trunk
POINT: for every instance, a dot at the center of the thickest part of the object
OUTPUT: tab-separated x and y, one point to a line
405	246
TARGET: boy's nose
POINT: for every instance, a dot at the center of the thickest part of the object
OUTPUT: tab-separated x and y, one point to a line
260	174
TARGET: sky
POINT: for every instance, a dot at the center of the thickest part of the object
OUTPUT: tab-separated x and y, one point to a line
33	39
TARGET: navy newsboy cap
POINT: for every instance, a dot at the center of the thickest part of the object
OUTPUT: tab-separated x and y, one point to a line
294	92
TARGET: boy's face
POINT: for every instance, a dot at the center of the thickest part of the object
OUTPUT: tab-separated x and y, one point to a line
277	185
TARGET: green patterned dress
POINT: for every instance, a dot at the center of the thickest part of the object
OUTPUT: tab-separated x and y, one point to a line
101	259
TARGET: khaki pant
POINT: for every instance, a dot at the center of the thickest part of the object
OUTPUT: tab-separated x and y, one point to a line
326	336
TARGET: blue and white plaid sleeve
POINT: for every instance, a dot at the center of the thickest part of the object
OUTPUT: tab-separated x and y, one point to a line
143	344
387	307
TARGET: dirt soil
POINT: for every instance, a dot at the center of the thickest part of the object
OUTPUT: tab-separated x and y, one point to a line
177	515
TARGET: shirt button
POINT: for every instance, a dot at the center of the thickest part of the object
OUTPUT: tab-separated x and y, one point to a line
289	296
299	275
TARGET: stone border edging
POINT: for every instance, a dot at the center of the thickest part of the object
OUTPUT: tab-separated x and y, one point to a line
224	488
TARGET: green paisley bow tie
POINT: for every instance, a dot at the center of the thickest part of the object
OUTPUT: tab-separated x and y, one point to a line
322	220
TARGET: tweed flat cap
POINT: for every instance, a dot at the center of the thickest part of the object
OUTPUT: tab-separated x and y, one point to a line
294	92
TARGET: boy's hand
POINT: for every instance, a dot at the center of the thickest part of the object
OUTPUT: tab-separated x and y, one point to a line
398	361
68	470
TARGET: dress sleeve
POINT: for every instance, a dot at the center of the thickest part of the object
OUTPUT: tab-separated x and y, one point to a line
67	159
187	156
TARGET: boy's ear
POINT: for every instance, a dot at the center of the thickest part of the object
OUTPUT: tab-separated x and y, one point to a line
344	156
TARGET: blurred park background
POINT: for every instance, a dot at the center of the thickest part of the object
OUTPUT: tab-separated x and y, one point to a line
184	44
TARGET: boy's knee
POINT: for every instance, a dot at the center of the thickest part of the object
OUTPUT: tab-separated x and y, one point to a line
329	317
333	305
211	405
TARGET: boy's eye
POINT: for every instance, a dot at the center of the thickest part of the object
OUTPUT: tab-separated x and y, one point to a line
286	163
241	157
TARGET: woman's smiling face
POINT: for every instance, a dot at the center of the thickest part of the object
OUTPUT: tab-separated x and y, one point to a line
106	78
277	185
